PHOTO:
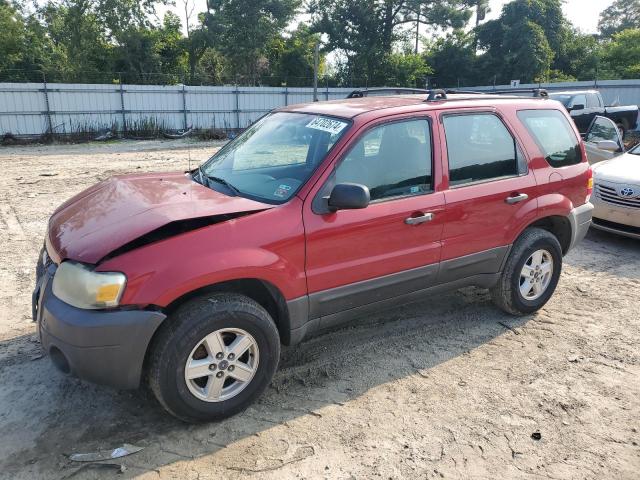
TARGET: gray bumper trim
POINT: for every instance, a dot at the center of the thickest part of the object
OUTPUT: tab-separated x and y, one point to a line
106	347
580	219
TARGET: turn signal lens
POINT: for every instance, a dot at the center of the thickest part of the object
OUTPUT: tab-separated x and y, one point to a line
108	294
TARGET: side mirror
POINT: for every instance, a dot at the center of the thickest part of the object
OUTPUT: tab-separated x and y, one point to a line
349	196
579	106
608	146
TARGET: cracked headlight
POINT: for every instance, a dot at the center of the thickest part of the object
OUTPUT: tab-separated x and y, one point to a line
80	286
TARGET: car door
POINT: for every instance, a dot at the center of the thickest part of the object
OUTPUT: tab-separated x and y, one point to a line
579	112
603	140
491	193
391	247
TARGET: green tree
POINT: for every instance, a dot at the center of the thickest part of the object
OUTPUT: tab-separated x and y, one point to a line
365	31
244	29
12	37
76	30
406	70
453	59
621	56
522	43
579	57
291	58
152	54
621	15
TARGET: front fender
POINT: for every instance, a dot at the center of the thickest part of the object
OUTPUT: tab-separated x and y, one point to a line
266	246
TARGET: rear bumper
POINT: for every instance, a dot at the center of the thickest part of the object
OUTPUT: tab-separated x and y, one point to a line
580	219
102	346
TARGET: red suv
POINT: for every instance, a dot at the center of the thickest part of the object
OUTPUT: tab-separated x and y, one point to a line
316	214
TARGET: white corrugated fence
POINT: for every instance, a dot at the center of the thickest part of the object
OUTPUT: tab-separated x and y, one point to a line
38	108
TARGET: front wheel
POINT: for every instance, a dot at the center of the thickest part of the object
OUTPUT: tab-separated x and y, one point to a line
531	273
213	357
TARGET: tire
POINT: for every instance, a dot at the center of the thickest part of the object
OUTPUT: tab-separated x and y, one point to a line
181	340
623	129
506	294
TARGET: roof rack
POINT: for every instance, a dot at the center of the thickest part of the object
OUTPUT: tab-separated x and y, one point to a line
537	92
365	93
435	95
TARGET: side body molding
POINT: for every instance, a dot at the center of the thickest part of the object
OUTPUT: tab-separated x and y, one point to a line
328	308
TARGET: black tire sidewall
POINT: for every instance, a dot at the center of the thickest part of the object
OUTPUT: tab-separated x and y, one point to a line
172	383
550	244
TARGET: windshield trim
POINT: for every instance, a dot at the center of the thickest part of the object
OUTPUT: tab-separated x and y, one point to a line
270	201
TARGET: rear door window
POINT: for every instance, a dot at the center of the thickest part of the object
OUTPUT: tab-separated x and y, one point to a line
577	101
554	136
480	148
593	101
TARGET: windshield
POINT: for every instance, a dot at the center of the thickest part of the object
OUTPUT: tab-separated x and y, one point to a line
274	157
635	150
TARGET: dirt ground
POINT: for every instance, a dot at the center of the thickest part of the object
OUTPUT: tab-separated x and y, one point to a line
446	388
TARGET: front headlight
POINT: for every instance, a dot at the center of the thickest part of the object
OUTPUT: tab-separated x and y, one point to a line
79	286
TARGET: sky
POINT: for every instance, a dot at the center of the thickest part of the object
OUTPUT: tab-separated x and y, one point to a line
584	14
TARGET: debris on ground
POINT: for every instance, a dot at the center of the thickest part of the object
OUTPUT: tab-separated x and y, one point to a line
102	455
97	466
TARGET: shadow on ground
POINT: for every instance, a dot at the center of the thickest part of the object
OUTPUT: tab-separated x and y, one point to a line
44	416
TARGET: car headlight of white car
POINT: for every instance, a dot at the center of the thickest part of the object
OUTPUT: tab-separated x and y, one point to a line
82	287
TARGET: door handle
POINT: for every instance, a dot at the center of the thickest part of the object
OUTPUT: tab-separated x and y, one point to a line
517	198
427	217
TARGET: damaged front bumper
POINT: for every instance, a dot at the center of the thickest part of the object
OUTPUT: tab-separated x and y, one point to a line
102	346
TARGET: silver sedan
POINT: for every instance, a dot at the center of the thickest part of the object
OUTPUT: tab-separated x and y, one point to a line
616	194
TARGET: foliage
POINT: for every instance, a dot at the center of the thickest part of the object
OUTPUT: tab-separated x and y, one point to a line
621	56
522	42
292	58
245	28
373	42
621	15
453	58
366	31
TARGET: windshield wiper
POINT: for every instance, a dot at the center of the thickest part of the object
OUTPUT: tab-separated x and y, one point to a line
219	180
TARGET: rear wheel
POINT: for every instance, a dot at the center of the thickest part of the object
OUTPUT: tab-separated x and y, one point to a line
531	273
214	357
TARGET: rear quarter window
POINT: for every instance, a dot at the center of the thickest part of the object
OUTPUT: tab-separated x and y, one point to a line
554	136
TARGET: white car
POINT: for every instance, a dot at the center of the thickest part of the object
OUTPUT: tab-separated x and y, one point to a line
616	193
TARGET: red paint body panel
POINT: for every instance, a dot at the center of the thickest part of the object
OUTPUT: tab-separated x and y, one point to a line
267	245
114	212
351	246
291	247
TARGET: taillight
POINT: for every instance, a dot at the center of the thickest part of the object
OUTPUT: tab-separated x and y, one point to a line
589	184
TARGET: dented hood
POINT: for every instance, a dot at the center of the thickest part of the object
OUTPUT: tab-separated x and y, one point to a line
117	211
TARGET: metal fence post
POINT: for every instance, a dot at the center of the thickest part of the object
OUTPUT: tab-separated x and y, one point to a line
122	110
184	108
326	91
46	102
286	95
237	110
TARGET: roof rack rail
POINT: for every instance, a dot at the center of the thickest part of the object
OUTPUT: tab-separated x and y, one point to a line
364	93
537	92
453	91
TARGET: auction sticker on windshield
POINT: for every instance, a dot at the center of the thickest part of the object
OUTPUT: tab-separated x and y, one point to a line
327	125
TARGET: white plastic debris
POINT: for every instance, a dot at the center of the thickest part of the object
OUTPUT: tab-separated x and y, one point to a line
102	455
